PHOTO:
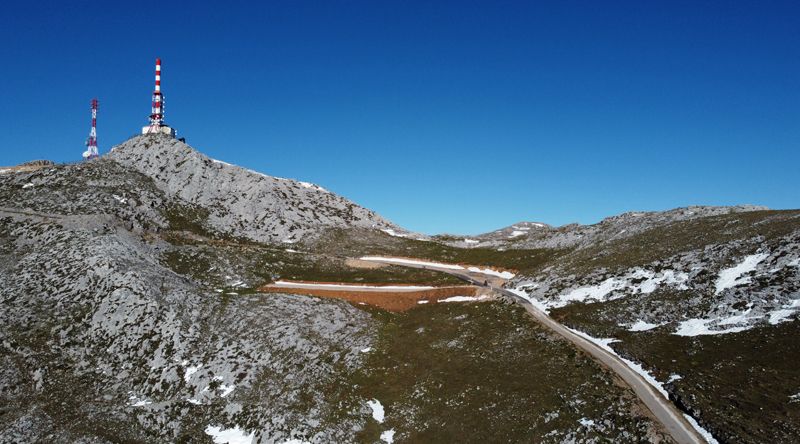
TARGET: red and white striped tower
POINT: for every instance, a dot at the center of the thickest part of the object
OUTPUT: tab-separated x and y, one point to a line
91	141
157	125
157	115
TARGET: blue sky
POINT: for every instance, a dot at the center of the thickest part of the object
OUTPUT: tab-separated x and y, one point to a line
454	117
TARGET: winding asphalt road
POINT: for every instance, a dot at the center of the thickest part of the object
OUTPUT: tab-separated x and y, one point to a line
666	412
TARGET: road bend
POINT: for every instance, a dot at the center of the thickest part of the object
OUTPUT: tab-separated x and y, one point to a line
663	409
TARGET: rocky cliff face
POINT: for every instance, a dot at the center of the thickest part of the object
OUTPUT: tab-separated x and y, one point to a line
238	201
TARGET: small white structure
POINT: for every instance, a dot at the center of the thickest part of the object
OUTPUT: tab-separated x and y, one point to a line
162	129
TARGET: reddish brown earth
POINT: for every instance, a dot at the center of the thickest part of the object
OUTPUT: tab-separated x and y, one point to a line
392	300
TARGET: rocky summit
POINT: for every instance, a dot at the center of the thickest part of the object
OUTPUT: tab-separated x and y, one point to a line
238	201
137	313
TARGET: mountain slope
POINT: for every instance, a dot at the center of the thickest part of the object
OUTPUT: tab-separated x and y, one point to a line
534	235
238	201
130	314
102	342
708	305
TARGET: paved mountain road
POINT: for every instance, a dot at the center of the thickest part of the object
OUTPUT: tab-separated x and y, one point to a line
663	409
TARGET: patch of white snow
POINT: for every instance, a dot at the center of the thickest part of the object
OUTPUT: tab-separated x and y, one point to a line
377	410
388	436
731	277
643	326
226	389
397	260
543	306
490	272
700	327
464	298
190	371
139	402
703	432
391	232
229	436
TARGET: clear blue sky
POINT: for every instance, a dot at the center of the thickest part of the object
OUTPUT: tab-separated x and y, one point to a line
442	116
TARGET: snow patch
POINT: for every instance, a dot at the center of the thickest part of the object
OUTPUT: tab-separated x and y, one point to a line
703	432
388	436
423	301
190	371
226	389
489	271
27	185
738	322
646	282
635	366
700	327
471	241
312	186
366	350
516	233
782	315
731	277
519	291
377	410
464	298
642	326
138	402
229	436
397	260
391	232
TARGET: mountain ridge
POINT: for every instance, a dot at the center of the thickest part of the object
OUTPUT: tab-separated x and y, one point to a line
250	204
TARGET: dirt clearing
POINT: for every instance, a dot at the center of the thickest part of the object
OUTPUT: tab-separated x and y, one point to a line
392	298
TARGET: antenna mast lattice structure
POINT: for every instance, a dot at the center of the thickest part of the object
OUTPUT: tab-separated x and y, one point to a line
157	124
91	141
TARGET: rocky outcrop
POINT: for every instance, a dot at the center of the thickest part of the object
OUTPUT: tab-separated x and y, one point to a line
238	201
101	342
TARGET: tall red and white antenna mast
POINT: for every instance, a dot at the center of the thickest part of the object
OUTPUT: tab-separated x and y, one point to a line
157	115
157	124
91	141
